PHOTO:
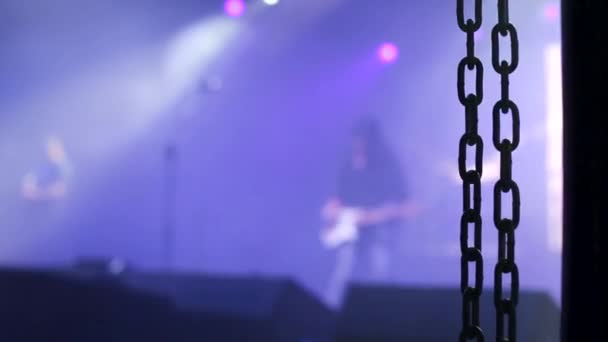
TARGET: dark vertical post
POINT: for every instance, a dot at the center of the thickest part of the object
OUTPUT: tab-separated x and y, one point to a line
585	81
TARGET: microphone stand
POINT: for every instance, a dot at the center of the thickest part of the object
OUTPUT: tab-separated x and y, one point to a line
170	157
170	196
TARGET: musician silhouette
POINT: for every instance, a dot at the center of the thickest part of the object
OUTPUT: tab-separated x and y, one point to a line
370	183
47	182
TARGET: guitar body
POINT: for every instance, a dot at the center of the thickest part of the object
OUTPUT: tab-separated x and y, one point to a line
344	230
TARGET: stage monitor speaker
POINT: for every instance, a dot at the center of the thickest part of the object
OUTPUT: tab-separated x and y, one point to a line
41	305
387	314
221	308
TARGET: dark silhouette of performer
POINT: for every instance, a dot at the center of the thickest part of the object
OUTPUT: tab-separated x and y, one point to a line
370	181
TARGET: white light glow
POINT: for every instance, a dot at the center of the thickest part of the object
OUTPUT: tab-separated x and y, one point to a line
194	49
554	167
271	2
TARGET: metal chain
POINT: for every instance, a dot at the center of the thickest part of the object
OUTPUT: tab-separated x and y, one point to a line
505	306
471	179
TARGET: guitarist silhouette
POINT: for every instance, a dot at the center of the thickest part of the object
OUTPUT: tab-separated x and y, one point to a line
365	213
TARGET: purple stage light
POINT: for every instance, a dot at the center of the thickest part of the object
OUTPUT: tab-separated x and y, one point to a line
234	8
388	53
552	11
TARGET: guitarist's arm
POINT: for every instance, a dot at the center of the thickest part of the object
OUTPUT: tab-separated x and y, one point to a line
368	216
331	209
388	212
31	190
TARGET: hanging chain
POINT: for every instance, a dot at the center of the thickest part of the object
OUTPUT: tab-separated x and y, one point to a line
471	178
505	306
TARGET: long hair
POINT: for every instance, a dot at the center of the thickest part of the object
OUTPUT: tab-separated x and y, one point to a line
368	131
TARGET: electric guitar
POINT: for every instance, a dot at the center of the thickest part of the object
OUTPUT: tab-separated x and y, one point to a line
345	228
342	231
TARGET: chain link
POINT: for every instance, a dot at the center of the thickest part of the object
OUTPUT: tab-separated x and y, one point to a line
471	178
506	265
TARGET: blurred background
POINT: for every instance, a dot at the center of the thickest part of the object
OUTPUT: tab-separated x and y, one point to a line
205	136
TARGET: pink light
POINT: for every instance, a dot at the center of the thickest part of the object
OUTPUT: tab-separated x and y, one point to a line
552	11
234	8
554	146
388	53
